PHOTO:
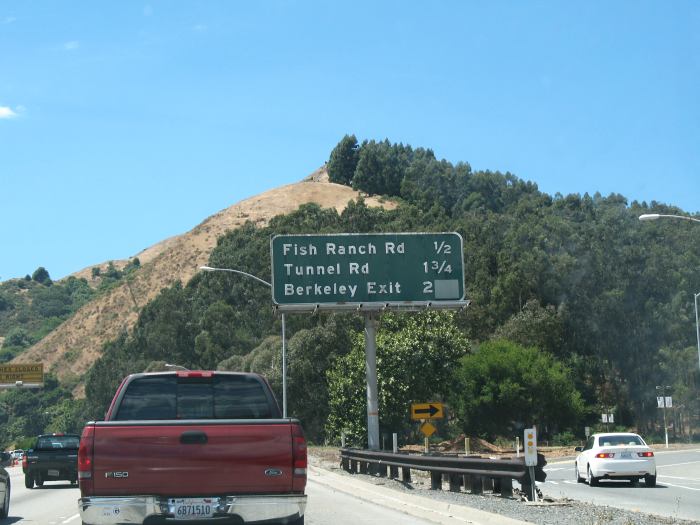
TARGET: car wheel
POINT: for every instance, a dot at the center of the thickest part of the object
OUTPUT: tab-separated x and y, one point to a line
592	480
28	481
6	506
649	480
579	479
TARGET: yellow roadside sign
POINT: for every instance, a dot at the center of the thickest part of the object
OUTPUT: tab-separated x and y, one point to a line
30	373
427	429
427	411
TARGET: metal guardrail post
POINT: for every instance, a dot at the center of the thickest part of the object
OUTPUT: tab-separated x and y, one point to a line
455	482
363	467
435	480
394	472
488	484
467	482
477	485
406	475
506	488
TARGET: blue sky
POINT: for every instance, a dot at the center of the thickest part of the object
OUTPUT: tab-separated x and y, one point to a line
124	123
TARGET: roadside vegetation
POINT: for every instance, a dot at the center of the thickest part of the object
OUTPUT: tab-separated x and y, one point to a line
578	309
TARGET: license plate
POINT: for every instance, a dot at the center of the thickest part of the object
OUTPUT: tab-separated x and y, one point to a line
54	473
626	455
189	508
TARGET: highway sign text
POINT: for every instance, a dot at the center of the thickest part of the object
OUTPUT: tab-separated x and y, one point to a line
367	268
27	373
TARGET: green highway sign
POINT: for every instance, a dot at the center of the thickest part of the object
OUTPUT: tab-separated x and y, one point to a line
366	268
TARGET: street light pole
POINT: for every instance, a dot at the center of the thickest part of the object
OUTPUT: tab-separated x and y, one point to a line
284	342
697	325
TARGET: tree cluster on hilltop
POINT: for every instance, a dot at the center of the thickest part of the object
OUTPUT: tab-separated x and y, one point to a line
578	308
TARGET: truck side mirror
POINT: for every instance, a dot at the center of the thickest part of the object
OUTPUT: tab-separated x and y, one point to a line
578	449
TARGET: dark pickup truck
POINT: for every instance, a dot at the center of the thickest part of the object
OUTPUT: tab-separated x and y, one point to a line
54	457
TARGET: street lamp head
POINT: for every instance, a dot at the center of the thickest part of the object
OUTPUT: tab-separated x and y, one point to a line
649	217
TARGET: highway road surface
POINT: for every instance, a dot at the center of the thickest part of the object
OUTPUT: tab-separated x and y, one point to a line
677	492
56	503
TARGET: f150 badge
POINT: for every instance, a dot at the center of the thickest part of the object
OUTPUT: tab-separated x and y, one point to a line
116	475
273	472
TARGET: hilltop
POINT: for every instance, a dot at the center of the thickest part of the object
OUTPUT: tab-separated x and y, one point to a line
73	347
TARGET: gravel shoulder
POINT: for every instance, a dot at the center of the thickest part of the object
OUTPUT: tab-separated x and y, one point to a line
551	512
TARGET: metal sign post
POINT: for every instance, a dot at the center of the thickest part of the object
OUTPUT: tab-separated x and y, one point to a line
371	369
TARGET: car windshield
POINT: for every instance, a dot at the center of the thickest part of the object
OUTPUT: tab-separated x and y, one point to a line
618	441
57	442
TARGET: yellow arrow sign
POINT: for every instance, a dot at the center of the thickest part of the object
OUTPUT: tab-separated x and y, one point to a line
27	373
427	411
427	429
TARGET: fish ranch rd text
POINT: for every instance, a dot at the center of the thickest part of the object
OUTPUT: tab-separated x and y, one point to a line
373	288
332	248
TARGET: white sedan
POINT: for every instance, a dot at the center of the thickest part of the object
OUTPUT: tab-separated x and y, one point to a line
615	456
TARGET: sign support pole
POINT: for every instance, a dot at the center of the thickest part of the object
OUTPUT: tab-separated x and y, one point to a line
371	320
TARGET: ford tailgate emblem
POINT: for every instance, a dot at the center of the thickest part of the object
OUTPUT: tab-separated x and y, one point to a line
273	472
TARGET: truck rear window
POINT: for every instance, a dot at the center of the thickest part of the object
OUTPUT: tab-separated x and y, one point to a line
173	397
57	442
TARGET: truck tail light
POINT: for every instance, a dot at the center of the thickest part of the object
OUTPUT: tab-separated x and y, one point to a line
604	455
85	455
299	450
645	454
299	460
24	461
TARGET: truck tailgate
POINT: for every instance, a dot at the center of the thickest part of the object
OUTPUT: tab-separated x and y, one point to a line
190	458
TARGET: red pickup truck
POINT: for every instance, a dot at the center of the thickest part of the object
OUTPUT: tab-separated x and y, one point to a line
193	446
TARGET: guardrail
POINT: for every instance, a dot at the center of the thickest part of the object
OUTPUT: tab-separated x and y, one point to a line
474	473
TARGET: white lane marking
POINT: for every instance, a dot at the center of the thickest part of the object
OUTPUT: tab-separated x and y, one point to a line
554	469
76	516
570	482
681	487
676	477
678	464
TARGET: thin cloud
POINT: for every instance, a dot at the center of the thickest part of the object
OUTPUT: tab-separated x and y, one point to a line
7	20
71	46
7	112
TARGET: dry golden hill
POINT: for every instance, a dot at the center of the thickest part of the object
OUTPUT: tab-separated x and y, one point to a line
70	350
